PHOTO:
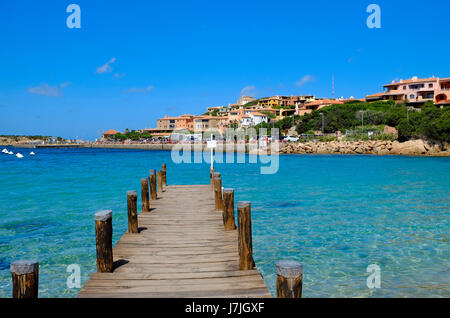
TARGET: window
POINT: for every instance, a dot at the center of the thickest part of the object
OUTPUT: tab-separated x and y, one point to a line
411	96
430	85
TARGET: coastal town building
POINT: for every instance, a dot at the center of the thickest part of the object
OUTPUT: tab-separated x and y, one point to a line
245	99
308	108
257	117
416	91
176	123
219	110
109	133
205	122
277	101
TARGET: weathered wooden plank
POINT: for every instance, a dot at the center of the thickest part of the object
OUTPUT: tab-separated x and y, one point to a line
246	293
173	276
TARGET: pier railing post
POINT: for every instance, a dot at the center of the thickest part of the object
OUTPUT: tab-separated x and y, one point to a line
145	196
211	175
245	236
228	209
160	181
164	176
218	193
214	175
25	279
152	180
132	212
103	237
289	279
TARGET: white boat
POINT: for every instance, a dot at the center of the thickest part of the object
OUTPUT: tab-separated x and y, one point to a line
32	153
5	151
19	155
10	153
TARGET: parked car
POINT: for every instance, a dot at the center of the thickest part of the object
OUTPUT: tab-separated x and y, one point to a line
291	138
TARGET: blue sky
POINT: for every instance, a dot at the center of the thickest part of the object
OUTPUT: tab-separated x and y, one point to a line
176	57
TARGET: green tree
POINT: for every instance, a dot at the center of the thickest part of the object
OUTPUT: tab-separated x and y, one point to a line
405	130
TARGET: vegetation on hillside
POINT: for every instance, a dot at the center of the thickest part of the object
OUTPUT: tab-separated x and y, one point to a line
282	125
430	122
132	135
252	103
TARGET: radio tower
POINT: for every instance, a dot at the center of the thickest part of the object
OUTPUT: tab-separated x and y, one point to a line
332	86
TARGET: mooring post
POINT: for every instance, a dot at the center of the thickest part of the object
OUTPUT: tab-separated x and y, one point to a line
218	193
289	279
228	209
132	212
152	180
145	196
211	176
245	236
164	171
219	196
160	181
25	279
103	238
215	175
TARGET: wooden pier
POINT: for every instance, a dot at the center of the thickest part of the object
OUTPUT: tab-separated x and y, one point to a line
183	248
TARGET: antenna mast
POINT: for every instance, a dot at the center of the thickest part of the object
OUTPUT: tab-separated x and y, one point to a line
332	86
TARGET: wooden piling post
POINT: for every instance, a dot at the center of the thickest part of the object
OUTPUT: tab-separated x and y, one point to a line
160	181
132	212
245	236
152	180
103	237
228	209
144	195
25	279
289	279
164	171
219	196
218	193
215	175
211	175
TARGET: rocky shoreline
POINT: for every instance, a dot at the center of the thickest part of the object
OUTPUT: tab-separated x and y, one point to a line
373	147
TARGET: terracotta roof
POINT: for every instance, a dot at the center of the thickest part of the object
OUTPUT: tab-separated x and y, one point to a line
323	102
259	114
110	132
207	117
375	95
413	80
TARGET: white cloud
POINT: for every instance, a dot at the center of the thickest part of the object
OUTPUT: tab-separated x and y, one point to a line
305	79
106	68
145	90
248	91
119	75
47	90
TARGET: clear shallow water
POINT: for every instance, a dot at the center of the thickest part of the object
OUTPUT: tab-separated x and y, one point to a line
335	214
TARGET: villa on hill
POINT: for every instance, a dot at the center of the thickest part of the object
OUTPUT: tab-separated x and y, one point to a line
416	91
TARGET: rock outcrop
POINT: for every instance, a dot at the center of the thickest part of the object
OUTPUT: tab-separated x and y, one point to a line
374	147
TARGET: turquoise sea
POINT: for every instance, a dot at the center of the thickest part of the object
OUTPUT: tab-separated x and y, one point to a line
336	214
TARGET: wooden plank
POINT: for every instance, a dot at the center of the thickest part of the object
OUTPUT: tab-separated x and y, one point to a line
134	275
